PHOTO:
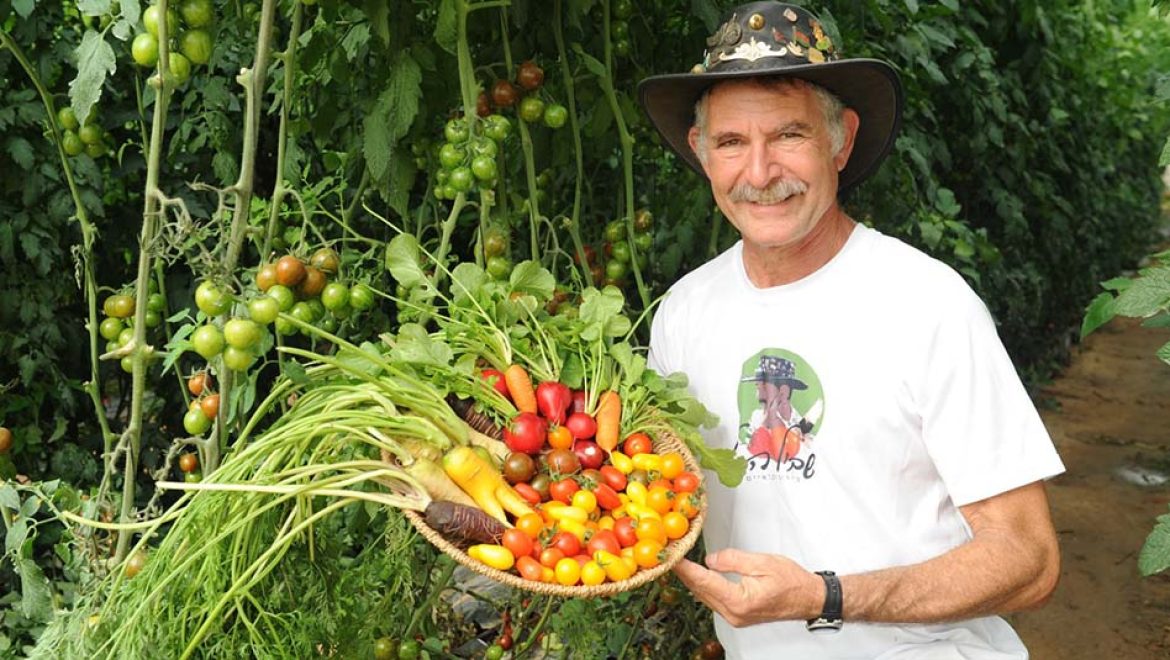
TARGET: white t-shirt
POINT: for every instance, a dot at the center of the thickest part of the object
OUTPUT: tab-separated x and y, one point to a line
918	411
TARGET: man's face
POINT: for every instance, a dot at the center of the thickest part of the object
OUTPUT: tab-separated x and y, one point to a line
761	136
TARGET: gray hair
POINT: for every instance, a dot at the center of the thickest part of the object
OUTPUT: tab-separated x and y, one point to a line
831	107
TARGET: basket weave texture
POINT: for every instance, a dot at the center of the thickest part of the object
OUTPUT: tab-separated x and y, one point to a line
674	551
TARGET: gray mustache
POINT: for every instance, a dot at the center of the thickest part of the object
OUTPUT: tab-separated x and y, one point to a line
777	191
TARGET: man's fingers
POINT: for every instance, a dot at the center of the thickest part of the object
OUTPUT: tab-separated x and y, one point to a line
732	560
709	587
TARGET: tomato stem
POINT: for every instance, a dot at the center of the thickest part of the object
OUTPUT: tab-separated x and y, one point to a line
575	129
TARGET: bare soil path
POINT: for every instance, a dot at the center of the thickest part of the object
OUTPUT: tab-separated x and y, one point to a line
1109	415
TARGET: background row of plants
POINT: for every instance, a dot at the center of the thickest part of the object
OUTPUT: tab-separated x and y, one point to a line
1028	160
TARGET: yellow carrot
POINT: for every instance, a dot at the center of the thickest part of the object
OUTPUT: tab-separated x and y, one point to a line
520	387
484	484
609	420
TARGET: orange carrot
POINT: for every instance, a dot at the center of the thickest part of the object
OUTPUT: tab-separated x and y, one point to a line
609	420
520	387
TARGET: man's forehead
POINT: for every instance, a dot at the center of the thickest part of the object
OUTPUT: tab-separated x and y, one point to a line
730	95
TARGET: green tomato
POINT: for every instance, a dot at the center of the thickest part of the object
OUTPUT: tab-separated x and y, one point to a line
283	296
619	30
144	49
531	109
621	47
461	179
621	252
90	134
263	310
196	46
193	477
317	307
207	341
497	127
643	242
451	156
195	422
361	297
303	313
615	231
456	131
95	150
110	329
328	324
125	336
152	319
67	119
150	20
483	146
71	143
285	327
408	649
335	296
495	242
493	652
499	267
197	13
237	359
156	303
385	649
555	115
119	306
615	270
210	299
127	364
484	168
241	333
623	8
180	67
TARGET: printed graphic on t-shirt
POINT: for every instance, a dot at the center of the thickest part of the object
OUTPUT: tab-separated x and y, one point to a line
780	409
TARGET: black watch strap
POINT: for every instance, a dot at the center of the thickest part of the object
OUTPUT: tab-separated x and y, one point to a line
830	620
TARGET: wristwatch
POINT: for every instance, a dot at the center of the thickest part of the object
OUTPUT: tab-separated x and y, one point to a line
830	620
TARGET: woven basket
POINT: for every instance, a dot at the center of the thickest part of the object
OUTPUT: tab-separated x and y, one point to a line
675	550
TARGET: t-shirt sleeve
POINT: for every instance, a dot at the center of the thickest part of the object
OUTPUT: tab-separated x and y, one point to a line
978	422
659	358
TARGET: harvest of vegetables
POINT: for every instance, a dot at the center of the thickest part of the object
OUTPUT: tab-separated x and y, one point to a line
575	494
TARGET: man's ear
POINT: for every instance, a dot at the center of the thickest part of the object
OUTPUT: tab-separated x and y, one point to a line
693	138
852	122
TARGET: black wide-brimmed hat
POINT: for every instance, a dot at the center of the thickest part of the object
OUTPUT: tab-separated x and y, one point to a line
776	370
775	39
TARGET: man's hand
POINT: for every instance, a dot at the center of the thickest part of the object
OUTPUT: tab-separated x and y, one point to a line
771	587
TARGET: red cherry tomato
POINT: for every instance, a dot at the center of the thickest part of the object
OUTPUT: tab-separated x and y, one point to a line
637	443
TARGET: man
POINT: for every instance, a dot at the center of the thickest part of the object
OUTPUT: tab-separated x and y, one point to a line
923	491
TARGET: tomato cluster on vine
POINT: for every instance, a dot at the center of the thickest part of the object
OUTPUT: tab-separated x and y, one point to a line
88	138
190	42
526	95
467	157
618	252
117	326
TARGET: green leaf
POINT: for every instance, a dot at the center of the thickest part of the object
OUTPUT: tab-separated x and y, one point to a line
953	5
24	7
402	175
446	28
9	499
95	59
912	5
633	365
572	372
131	11
592	63
16	536
416	346
21	151
392	114
1159	321
36	601
1155	554
466	280
1164	159
402	260
1099	312
295	372
1164	353
1149	293
529	277
379	13
93	7
723	462
1117	284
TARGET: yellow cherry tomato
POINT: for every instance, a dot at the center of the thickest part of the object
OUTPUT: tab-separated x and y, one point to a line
629	561
585	500
648	553
637	492
660	498
568	571
605	522
566	512
621	462
496	556
650	529
547	574
615	569
574	527
675	524
672	465
640	511
647	462
592	574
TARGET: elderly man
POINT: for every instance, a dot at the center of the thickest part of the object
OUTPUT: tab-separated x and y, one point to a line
919	512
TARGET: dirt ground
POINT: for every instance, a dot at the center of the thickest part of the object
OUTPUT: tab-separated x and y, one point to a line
1109	415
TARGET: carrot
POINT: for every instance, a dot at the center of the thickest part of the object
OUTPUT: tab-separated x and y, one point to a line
463	524
520	387
609	420
484	484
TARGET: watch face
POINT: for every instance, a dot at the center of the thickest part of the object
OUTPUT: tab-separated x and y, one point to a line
824	626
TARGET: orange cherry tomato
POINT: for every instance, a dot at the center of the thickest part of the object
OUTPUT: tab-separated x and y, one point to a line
530	494
550	556
651	529
531	524
672	465
647	553
660	498
675	524
637	443
559	437
687	504
530	569
210	405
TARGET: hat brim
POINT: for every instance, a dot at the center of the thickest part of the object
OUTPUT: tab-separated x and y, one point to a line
870	87
791	382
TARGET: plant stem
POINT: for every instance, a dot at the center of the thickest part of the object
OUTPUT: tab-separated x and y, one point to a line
526	147
290	61
570	97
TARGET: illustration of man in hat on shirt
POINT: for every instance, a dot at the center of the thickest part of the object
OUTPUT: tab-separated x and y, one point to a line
776	427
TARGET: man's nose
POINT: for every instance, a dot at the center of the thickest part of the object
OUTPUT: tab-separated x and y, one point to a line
762	167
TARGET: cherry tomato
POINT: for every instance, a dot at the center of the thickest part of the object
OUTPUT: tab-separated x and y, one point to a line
531	109
67	118
195	422
528	567
606	497
361	297
648	553
529	493
263	310
559	437
71	143
562	462
568	544
519	467
409	649
197	13
119	306
530	76
238	359
188	462
210	299
283	296
530	523
555	115
210	405
562	490
144	50
179	67
241	333
584	500
499	267
289	271
686	482
5	440
335	296
313	283
483	105
637	443
150	21
325	260
135	563
518	542
498	128
196	45
198	383
613	477
385	649
605	540
110	328
650	529
551	555
581	425
207	341
623	528
266	277
568	571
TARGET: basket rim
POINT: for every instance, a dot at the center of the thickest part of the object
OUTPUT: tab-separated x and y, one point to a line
675	550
